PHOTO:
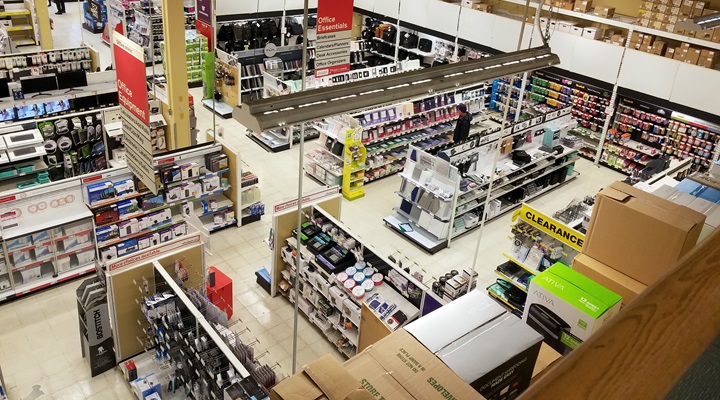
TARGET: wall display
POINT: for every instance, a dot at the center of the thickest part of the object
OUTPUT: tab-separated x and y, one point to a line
94	15
146	29
134	109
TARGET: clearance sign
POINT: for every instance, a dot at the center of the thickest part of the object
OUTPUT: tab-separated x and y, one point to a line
334	33
550	226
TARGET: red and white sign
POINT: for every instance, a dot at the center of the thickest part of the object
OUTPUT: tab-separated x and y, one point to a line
308	199
334	33
134	109
154	252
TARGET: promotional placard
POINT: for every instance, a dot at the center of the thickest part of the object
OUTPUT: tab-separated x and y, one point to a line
134	109
334	33
204	20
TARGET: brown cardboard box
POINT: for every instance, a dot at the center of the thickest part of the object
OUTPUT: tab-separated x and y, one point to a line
716	35
418	370
546	358
708	58
659	47
638	233
684	45
605	12
617	282
531	19
618	40
324	378
636	37
670	53
648	40
635	46
692	56
674	11
374	378
680	54
698	8
705	35
687	7
675	3
583	6
487	8
565	5
707	62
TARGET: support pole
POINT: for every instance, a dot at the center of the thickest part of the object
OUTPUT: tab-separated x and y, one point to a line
177	111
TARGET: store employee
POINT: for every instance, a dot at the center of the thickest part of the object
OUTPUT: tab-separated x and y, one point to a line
462	128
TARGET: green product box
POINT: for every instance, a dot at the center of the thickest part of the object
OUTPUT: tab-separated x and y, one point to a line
567	308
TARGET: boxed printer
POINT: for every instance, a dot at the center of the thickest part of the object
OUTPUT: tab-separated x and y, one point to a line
567	307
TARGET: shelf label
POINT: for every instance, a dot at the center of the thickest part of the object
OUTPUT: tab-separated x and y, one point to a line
550	226
134	111
334	34
154	252
308	199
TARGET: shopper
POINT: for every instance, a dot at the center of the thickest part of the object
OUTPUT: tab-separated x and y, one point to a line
60	7
462	128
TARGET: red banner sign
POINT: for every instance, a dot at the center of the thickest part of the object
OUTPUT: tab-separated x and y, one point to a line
334	34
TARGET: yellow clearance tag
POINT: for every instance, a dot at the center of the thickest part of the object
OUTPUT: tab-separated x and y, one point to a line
552	227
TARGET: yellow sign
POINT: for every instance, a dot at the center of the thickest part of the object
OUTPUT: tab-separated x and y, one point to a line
554	228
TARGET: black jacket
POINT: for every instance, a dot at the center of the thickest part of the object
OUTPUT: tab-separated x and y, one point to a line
462	128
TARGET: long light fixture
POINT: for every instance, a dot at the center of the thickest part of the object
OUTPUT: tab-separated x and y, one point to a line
262	115
700	23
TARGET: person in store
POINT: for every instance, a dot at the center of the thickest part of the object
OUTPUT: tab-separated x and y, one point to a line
60	7
462	131
462	127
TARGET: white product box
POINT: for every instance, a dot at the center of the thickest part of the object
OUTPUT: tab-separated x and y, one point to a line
63	264
40	237
108	253
86	257
470	3
337	296
30	275
190	170
179	230
129	227
352	311
565	27
577	30
78	227
591	33
18	243
457	319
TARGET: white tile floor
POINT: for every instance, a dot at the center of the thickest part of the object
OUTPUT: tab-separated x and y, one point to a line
39	343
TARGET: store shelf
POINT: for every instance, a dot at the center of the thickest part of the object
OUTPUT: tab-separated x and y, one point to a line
24	42
503	301
14	13
54	280
511	280
17	28
175	219
114	200
520	264
212	227
197	178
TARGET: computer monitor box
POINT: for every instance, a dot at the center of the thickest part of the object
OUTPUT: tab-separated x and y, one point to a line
548	324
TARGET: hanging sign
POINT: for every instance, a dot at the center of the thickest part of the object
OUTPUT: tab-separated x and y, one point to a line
134	109
549	225
334	34
204	21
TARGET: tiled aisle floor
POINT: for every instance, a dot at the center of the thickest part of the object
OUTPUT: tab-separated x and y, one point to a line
39	343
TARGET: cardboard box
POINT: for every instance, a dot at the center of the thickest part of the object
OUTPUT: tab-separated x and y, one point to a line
636	37
705	35
692	56
648	40
418	370
638	233
659	47
716	35
324	378
457	319
618	40
698	8
605	12
487	8
592	33
670	53
565	5
374	378
687	7
488	348
576	30
546	358
567	307
616	281
496	359
469	3
583	6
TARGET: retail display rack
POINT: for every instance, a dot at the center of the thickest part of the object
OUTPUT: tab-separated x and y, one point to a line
146	29
196	50
96	340
94	16
333	300
20	22
172	339
198	188
47	238
648	131
438	205
426	123
538	242
17	65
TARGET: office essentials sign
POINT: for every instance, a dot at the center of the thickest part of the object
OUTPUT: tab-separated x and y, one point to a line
334	34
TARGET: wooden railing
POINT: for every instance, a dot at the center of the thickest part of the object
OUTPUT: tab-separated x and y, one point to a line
646	349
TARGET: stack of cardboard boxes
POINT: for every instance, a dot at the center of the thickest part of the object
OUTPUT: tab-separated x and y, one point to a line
634	238
469	349
564	5
647	43
665	14
694	55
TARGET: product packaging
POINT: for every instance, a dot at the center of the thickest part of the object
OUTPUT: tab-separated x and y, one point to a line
567	308
616	281
640	234
100	191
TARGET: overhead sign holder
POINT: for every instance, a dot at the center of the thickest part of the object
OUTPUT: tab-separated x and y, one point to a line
334	34
134	109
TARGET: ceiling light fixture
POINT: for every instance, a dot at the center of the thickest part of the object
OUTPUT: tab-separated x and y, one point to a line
296	108
700	23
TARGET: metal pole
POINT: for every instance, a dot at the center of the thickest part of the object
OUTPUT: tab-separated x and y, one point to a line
213	40
497	152
300	190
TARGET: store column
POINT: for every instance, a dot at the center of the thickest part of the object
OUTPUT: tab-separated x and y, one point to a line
43	25
177	111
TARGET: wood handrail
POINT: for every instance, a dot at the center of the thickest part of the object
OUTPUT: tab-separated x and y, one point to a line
649	345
